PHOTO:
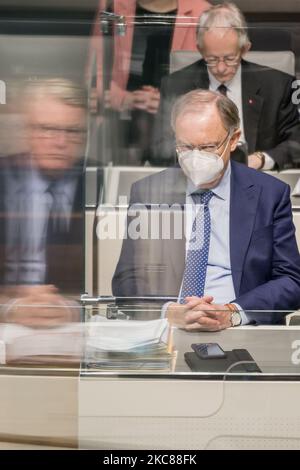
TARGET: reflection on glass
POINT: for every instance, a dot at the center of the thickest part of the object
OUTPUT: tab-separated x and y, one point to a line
42	206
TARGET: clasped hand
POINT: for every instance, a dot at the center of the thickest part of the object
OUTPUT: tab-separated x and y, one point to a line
199	313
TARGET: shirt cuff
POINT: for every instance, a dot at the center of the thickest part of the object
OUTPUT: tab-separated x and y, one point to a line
245	319
269	162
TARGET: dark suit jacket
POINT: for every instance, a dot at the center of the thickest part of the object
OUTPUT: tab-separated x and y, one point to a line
64	250
271	120
265	260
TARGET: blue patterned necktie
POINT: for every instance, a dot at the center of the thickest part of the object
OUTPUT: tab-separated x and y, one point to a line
197	256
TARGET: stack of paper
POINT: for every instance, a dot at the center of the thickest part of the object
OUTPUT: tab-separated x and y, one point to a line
129	345
52	345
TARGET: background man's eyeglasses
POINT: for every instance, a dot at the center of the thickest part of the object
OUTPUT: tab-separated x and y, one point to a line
73	134
230	61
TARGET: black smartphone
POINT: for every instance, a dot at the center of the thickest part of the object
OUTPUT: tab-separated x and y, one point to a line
208	350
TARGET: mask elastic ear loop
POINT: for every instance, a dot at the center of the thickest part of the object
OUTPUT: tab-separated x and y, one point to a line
228	139
231	132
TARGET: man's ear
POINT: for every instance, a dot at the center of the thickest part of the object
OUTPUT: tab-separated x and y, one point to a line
246	48
235	139
200	50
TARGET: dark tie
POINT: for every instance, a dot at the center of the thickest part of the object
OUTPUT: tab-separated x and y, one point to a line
197	256
222	89
65	241
57	220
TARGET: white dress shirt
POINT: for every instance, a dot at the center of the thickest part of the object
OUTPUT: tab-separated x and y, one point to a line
218	281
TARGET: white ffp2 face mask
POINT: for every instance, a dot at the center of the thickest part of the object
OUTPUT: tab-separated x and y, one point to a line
201	167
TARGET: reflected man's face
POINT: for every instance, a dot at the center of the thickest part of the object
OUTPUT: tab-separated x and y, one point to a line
56	133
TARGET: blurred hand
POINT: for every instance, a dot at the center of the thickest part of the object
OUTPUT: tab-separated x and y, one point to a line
41	307
254	161
146	99
152	103
93	101
25	290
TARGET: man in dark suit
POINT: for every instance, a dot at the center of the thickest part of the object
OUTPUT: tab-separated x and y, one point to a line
270	129
42	201
239	252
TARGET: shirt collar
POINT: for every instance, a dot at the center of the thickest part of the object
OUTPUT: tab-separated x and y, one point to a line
222	190
233	83
39	184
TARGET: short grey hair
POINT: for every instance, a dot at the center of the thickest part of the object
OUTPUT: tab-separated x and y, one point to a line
196	101
227	16
65	90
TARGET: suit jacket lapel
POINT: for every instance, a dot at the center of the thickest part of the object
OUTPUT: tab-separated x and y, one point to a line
244	197
201	79
252	103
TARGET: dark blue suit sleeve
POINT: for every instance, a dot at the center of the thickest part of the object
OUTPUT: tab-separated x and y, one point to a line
282	291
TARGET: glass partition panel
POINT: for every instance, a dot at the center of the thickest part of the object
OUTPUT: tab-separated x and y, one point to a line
144	338
135	242
135	338
43	149
102	189
136	367
142	62
151	375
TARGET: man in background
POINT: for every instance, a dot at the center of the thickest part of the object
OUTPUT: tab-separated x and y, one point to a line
270	129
